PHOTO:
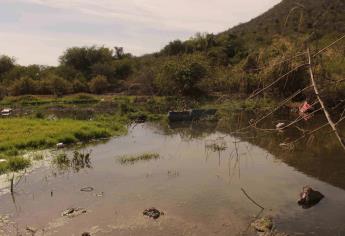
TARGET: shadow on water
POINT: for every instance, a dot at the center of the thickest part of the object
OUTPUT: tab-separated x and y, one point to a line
63	162
318	155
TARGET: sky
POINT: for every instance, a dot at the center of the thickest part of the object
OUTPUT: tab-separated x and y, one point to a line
39	31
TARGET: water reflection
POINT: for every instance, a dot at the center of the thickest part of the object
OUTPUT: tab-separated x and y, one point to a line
318	155
65	162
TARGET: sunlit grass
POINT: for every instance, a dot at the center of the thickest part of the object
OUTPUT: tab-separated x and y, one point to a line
31	133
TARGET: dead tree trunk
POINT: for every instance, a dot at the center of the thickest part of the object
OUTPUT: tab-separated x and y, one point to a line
329	119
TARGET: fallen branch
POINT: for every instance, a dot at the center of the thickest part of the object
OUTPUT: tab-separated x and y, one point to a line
329	119
251	199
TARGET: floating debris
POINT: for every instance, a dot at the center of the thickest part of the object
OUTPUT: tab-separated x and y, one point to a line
60	145
73	212
87	189
309	197
153	213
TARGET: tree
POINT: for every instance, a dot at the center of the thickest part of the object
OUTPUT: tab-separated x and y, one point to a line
99	84
182	76
6	64
174	48
82	59
54	84
24	85
79	86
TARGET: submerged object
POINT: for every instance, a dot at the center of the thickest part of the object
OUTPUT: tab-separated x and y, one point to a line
190	115
309	197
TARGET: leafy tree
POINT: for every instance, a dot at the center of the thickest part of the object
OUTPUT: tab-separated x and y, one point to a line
99	84
123	69
79	86
54	84
6	64
24	85
82	59
182	76
174	48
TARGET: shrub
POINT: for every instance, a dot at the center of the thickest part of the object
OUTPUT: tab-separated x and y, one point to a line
24	85
99	84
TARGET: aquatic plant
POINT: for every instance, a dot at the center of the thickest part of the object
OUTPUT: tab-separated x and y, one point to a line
131	159
37	156
14	164
61	161
80	160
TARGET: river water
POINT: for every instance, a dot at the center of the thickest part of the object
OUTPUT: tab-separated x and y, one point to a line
200	190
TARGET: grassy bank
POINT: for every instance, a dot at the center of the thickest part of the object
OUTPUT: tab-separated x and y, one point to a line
21	134
28	133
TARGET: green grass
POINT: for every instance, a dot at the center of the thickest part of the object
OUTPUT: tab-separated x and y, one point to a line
132	159
31	133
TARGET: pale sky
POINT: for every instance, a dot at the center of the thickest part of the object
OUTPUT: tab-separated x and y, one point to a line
38	31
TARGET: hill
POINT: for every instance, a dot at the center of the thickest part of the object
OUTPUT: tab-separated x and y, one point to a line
235	62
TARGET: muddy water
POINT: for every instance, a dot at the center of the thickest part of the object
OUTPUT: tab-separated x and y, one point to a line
199	189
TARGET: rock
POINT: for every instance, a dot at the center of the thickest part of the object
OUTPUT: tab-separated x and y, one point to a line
309	197
264	224
73	212
60	145
153	213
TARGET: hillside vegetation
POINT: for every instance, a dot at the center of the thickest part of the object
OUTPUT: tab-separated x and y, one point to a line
233	63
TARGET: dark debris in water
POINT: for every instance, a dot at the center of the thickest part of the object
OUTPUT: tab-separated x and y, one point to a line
87	189
73	212
153	213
